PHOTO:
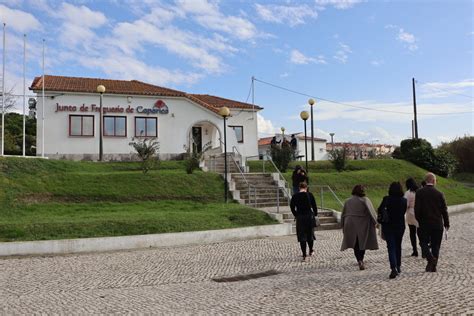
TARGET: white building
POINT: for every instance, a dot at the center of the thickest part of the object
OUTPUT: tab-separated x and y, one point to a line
134	110
320	152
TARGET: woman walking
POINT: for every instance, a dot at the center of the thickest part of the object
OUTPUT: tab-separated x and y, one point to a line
410	214
304	209
358	225
392	210
296	179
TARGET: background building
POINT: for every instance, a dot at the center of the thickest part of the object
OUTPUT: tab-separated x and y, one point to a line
134	110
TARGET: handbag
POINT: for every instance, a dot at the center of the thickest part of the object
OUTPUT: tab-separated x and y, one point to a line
382	216
314	219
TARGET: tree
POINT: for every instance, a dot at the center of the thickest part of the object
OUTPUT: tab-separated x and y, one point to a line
338	158
281	156
421	153
14	134
147	150
463	150
10	99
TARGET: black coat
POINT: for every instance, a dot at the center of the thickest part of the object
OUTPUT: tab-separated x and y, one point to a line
303	206
396	208
430	208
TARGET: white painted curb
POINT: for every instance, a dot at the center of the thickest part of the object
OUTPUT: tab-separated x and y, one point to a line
460	207
64	246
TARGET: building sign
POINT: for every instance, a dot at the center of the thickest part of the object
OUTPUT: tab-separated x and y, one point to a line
159	107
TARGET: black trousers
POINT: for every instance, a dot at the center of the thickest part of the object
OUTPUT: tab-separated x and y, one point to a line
359	254
413	237
394	238
310	243
430	240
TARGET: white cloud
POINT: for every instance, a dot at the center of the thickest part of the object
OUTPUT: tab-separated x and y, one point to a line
265	127
208	15
375	134
284	75
296	57
18	20
327	111
338	4
377	63
125	67
78	24
291	15
447	89
342	55
407	38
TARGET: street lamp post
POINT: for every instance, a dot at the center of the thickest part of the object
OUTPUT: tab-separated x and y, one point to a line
225	112
101	90
282	135
332	140
311	103
304	116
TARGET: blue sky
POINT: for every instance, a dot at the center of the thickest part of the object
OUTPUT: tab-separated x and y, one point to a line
357	53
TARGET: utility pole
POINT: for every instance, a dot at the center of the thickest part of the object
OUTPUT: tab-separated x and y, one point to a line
414	109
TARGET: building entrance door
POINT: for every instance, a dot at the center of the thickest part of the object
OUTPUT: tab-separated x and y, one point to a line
197	138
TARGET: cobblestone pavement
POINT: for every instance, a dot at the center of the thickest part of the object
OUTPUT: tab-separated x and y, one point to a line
179	280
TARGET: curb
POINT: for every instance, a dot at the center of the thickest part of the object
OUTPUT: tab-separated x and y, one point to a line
460	208
82	245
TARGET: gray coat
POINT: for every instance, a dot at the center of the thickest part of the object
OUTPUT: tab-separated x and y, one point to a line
358	222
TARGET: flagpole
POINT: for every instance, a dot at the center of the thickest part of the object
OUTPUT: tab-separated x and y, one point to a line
42	111
24	94
3	94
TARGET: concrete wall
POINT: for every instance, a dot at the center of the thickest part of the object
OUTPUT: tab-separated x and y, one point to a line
173	128
140	241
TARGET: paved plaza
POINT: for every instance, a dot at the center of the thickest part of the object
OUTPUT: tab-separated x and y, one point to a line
180	280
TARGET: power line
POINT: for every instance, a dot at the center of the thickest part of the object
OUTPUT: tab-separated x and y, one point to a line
355	106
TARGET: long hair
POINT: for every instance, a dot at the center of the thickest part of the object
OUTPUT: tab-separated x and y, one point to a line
411	185
395	189
358	190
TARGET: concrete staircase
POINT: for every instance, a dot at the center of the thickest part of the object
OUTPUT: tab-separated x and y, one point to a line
261	190
326	218
257	190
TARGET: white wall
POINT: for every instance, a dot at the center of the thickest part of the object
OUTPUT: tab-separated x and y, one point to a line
319	150
173	128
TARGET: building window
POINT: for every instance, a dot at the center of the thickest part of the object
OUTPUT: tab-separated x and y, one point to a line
81	125
146	127
115	126
239	133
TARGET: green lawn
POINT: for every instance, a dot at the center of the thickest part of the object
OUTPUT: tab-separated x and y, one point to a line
376	175
50	199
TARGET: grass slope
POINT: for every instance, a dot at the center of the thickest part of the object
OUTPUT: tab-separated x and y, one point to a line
48	199
376	175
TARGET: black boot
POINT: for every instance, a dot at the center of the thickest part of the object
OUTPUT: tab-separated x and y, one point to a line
393	274
415	253
435	263
429	266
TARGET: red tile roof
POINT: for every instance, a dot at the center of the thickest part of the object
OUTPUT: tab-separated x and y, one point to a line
210	99
264	141
132	87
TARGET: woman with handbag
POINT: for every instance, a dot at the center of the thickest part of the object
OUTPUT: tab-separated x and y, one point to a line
358	221
391	214
304	209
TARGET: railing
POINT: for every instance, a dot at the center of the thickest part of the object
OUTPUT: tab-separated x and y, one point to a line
321	189
249	186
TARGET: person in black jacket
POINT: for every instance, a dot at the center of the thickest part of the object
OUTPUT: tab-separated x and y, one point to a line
304	209
431	212
395	206
295	179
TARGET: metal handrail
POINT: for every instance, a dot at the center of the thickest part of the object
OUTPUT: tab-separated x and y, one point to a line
249	186
287	188
322	187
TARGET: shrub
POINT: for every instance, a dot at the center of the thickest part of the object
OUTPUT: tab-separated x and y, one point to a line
421	153
281	156
147	150
463	150
192	162
338	158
